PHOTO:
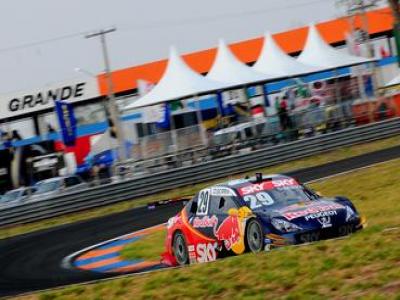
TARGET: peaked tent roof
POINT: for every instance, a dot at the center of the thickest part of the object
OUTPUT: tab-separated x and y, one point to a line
273	60
320	54
228	69
178	81
379	20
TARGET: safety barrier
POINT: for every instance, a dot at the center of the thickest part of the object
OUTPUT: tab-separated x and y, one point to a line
127	189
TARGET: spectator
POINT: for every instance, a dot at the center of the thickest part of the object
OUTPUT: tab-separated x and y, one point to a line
7	139
283	114
16	136
50	128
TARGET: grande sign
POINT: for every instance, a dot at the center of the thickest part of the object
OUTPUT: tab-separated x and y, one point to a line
15	104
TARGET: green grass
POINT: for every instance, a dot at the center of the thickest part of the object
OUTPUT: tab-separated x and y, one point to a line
334	155
364	266
148	247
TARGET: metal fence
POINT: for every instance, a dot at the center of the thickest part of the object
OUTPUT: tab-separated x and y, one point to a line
136	184
158	152
165	143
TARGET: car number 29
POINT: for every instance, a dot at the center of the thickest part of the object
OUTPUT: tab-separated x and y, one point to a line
204	199
258	200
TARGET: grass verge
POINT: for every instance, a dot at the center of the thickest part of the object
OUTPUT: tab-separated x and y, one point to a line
364	266
334	155
148	247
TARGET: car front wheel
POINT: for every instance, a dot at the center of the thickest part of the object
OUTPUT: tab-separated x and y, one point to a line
254	236
180	249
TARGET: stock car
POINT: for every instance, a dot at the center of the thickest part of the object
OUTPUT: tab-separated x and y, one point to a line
255	214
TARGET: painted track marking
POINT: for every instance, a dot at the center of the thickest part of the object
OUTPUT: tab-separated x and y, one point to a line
106	257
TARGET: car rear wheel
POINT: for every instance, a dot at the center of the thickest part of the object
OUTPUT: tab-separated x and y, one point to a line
254	236
180	249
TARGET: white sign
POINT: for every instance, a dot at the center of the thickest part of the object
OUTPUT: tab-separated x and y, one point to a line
154	113
234	96
15	104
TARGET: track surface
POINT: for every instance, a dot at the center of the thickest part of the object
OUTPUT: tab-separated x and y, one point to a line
33	261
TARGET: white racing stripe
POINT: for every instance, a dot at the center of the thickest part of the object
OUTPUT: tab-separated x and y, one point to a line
351	171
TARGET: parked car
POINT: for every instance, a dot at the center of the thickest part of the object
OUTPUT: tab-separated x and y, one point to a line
16	196
57	185
234	138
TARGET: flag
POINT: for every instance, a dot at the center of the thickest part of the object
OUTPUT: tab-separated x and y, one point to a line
220	104
383	52
176	105
165	122
266	98
67	121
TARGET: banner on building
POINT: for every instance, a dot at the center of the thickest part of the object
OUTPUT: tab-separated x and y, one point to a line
42	99
164	122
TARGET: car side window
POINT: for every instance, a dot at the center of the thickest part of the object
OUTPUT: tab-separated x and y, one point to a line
71	181
221	205
191	206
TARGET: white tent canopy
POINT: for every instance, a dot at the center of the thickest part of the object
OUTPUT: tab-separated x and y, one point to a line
273	60
394	81
179	81
228	69
317	52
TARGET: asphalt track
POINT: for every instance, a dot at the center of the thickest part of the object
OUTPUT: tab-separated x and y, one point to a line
33	261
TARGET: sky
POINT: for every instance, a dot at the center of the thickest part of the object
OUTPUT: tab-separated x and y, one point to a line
42	41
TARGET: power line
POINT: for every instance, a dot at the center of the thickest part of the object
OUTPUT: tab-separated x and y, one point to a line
218	17
163	24
41	42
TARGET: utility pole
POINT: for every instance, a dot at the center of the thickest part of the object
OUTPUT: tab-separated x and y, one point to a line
395	7
359	8
113	111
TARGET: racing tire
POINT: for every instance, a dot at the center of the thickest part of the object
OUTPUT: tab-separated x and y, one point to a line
254	236
180	249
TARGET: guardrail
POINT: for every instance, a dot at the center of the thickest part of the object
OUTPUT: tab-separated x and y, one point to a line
149	184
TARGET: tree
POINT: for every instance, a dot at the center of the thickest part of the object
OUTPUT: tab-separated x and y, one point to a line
395	7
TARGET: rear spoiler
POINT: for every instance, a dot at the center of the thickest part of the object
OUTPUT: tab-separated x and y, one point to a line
182	199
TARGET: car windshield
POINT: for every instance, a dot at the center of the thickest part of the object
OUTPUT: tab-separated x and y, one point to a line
280	196
10	196
46	186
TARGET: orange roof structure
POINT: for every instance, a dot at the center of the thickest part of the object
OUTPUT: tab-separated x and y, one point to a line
333	31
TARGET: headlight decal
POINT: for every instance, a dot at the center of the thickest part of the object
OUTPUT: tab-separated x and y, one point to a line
350	214
284	226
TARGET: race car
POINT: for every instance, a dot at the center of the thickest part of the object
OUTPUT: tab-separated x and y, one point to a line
255	214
